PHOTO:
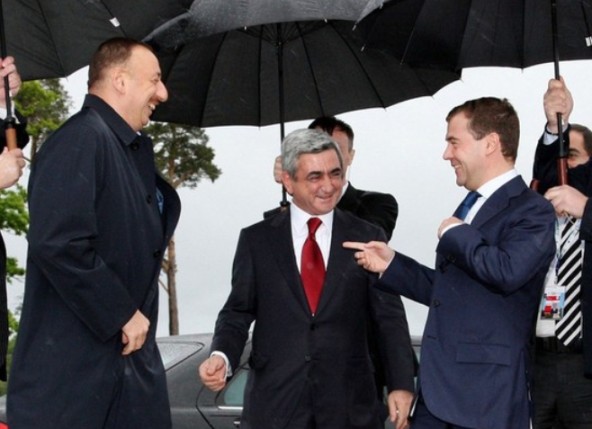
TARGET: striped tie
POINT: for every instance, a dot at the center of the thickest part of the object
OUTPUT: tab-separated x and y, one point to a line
569	274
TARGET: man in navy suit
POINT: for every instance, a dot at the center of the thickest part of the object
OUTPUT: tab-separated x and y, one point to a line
309	368
484	293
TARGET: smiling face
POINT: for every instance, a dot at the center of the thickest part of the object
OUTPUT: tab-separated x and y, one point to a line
144	89
317	182
466	154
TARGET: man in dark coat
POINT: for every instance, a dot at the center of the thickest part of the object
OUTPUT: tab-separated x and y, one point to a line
563	369
310	367
100	221
11	168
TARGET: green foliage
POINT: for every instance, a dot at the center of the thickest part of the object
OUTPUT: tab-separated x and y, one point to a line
46	105
182	154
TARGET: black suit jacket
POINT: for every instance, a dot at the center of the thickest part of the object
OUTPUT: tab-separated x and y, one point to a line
545	170
290	346
22	140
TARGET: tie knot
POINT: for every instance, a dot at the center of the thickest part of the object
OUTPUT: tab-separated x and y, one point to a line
471	198
313	225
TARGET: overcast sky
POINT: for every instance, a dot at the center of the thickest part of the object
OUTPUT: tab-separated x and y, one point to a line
398	150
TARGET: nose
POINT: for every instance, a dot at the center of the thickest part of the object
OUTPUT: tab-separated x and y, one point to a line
446	155
161	92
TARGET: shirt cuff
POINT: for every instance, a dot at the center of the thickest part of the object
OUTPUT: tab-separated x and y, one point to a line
226	361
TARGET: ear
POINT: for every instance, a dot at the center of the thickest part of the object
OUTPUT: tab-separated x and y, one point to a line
118	80
493	143
287	182
352	153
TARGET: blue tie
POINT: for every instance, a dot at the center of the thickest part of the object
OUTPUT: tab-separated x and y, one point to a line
462	210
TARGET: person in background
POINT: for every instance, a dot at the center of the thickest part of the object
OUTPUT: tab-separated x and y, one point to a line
100	220
310	362
562	389
491	261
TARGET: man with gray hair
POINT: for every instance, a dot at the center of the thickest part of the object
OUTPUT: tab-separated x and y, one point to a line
310	364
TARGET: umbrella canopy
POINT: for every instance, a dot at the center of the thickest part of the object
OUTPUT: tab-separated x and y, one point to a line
455	34
207	17
274	73
54	38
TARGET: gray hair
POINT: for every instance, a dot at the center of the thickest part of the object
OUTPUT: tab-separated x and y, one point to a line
305	141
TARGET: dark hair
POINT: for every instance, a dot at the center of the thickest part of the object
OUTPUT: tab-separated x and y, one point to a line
492	115
586	134
330	123
115	51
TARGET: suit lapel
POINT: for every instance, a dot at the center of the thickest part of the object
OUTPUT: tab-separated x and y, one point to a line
338	260
282	249
499	200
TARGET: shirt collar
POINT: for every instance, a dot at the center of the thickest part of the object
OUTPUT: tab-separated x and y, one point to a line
488	188
121	128
299	219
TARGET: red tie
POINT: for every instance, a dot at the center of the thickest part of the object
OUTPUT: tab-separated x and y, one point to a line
312	269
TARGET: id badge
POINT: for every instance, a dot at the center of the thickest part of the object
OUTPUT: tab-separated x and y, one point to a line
553	303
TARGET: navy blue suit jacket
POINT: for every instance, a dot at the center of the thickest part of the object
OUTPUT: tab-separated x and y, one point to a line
483	298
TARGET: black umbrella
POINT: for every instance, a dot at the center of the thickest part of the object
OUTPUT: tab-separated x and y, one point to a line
455	34
281	71
275	73
54	38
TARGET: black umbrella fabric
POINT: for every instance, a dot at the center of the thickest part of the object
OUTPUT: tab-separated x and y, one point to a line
455	34
207	17
54	38
275	73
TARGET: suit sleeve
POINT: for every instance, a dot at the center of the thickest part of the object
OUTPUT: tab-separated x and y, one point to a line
524	247
235	318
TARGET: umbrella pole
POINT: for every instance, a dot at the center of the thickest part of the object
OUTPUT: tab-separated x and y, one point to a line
280	58
562	157
9	122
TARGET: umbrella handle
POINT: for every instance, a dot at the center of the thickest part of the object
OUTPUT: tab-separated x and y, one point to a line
10	132
562	170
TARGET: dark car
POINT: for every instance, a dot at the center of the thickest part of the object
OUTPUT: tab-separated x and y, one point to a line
192	405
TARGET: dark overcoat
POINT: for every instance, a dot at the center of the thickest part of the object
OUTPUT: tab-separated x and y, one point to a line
96	242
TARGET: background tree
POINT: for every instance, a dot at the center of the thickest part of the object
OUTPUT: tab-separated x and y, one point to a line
46	105
184	158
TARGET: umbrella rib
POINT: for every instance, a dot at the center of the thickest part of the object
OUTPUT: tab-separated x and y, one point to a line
213	68
353	52
39	5
309	62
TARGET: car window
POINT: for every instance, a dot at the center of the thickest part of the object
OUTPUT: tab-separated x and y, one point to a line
174	352
234	392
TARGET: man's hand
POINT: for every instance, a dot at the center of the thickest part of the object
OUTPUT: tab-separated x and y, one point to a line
567	201
11	167
8	68
557	99
399	404
446	223
134	333
374	256
212	372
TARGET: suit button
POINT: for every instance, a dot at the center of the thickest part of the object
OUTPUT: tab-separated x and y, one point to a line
451	258
149	199
135	145
307	358
436	303
157	253
312	326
